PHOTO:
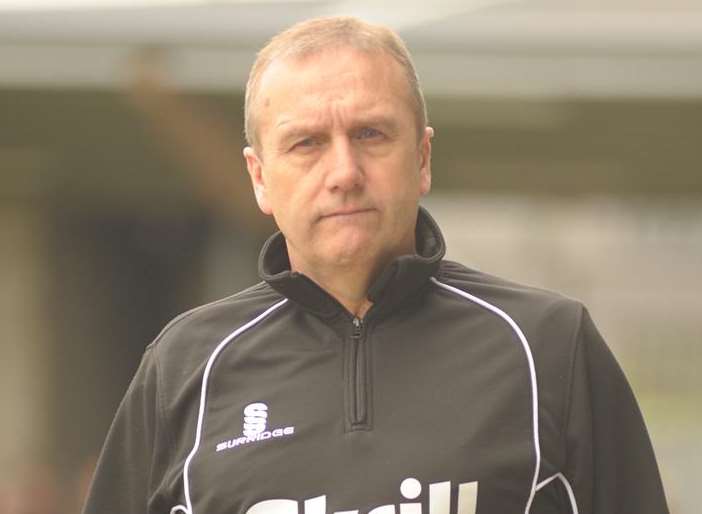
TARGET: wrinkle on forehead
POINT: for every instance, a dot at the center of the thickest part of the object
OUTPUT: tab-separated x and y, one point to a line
338	80
340	109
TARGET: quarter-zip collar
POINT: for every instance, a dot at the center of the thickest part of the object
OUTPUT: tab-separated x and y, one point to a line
400	279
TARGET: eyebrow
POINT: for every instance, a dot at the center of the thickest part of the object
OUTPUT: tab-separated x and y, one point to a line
387	123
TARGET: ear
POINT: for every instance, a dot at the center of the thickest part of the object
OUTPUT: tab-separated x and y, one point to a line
425	161
255	167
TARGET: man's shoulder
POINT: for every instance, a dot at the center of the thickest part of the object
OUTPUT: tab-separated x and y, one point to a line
471	279
198	330
529	307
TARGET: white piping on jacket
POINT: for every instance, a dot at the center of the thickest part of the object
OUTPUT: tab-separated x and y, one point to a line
188	507
532	373
568	488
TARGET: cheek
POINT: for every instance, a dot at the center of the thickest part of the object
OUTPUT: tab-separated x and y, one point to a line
400	177
291	200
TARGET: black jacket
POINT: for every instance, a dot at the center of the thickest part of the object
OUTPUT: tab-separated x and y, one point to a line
457	393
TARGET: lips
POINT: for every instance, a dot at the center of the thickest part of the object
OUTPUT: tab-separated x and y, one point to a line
345	212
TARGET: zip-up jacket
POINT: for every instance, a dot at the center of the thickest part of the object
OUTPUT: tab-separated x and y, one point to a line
457	393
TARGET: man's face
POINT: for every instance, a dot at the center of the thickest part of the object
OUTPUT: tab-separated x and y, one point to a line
341	167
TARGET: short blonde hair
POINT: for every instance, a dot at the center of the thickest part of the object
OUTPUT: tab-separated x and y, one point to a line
319	34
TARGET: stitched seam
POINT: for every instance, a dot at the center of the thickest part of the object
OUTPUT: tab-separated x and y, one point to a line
545	482
531	366
568	393
187	508
197	309
161	402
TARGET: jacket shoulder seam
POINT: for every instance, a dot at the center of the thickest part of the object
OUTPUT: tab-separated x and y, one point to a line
161	412
195	310
568	392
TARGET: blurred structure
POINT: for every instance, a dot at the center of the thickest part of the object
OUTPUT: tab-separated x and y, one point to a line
566	156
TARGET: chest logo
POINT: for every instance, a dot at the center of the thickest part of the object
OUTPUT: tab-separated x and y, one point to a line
255	428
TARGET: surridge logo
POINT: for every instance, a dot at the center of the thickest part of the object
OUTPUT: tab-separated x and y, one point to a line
255	417
254	429
439	501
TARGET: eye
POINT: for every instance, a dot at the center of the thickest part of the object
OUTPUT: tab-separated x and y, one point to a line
368	133
305	143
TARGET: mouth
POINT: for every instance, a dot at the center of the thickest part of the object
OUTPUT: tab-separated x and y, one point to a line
346	213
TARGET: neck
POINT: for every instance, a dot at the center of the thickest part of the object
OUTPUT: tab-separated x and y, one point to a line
349	285
356	302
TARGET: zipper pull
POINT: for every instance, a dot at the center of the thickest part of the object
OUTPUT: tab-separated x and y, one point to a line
357	328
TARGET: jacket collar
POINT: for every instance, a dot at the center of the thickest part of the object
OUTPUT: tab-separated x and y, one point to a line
400	279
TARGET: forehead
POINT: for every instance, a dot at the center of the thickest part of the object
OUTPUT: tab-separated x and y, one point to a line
338	80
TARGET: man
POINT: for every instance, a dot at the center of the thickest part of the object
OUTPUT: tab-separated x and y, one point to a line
365	374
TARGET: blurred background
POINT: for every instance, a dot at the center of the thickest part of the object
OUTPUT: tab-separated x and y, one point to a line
567	156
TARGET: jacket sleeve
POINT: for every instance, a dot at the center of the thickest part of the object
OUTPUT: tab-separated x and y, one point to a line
610	461
133	457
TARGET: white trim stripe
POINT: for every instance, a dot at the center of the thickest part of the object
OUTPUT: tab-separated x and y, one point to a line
545	482
568	488
532	373
188	508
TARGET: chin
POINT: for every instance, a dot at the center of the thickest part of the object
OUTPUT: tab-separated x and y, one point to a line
349	253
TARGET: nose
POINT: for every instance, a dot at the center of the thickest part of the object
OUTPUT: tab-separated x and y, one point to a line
344	171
